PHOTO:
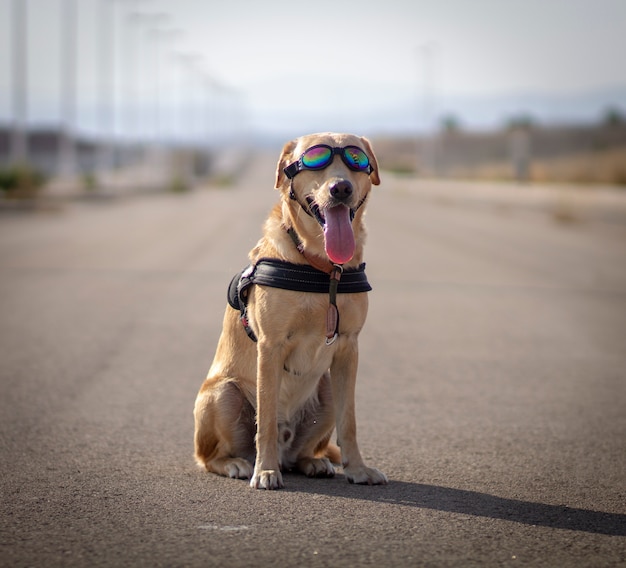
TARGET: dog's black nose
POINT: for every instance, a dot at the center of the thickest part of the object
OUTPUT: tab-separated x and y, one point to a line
340	189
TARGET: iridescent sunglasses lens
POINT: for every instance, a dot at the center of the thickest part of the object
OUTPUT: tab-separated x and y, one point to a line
355	158
317	157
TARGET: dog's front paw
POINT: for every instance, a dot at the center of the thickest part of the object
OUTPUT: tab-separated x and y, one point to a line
365	476
316	467
238	468
267	479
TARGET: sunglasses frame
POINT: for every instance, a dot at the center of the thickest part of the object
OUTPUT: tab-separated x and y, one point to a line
295	167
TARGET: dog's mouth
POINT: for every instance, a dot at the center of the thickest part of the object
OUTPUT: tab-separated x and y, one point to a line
336	221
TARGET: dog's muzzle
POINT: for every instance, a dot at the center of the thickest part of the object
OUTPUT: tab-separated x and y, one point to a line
340	190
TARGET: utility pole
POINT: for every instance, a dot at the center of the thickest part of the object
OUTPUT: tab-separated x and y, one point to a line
160	36
144	21
67	150
106	84
19	141
430	52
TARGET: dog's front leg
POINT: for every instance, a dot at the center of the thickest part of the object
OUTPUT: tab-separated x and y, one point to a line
343	378
267	468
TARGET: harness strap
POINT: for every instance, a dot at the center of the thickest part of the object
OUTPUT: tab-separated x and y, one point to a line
238	293
332	315
334	271
315	261
300	278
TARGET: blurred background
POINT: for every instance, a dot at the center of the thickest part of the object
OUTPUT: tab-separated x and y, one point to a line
141	94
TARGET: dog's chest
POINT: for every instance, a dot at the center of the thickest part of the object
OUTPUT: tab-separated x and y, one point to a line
308	358
307	329
302	369
296	322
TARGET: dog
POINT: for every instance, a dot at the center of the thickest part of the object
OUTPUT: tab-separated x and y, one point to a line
285	367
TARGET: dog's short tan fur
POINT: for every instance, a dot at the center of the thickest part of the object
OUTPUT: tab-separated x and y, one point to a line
290	388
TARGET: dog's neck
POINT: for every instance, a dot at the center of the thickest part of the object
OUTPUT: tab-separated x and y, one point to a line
306	235
276	242
315	261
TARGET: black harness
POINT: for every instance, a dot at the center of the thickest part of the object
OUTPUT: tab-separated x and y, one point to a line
297	277
300	277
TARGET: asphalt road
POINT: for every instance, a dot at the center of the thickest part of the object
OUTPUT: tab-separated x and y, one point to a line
491	391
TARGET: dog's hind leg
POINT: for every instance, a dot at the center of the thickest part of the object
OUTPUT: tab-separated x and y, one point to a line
225	427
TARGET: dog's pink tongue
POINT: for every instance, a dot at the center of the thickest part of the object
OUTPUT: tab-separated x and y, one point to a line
338	235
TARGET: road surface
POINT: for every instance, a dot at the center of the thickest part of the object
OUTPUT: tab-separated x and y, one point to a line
491	391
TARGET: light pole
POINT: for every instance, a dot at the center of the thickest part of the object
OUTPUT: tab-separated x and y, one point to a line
19	142
106	84
190	65
429	53
142	19
130	48
210	89
160	35
67	153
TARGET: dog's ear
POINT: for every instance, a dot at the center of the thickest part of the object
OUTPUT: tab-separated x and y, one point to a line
285	159
374	176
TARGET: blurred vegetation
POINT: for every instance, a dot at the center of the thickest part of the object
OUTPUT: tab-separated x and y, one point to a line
614	118
21	181
523	149
451	124
90	182
521	122
178	184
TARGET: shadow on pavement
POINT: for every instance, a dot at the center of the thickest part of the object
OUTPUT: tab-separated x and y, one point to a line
465	502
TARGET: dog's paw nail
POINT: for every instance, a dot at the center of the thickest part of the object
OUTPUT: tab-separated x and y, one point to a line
267	479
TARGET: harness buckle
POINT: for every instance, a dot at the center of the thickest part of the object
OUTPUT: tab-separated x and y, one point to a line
331	340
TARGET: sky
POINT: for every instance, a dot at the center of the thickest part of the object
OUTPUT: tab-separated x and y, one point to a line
368	66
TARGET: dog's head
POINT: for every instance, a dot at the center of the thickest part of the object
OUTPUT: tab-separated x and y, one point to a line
329	176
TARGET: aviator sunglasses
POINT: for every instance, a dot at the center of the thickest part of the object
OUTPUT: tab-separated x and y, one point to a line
320	156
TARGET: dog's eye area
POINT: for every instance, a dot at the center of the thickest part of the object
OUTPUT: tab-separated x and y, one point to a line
317	157
356	158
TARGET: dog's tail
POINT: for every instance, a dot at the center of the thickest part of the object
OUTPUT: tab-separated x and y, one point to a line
326	449
333	453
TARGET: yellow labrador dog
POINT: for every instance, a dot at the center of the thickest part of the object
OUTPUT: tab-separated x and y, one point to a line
285	368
